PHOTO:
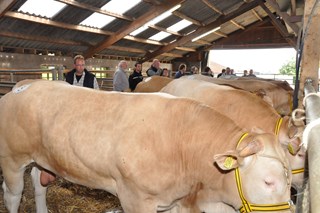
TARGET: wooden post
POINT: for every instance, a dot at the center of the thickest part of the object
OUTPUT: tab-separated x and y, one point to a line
311	49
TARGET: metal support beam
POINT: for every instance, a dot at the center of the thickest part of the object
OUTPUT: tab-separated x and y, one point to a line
312	105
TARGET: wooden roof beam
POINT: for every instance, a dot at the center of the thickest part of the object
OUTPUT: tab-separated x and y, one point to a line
70	27
183	16
145	41
293	7
42	39
228	42
279	26
222	19
256	14
56	23
237	25
172	55
203	42
153	2
220	34
164	30
127	49
126	30
5	5
214	8
95	9
187	49
285	16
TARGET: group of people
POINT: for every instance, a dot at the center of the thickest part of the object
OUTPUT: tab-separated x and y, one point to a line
229	73
80	76
245	73
193	70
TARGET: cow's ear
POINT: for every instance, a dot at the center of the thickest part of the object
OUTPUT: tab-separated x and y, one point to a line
294	145
233	159
251	148
227	161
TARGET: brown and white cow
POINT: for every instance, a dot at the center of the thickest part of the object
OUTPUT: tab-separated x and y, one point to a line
111	141
281	99
152	84
249	111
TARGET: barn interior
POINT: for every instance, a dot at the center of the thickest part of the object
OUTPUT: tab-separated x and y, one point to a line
37	44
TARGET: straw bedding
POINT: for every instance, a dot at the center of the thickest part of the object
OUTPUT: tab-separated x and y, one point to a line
65	197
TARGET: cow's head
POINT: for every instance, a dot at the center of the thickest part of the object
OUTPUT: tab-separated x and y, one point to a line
262	173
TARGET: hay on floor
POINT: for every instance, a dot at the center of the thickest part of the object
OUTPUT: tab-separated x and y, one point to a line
65	197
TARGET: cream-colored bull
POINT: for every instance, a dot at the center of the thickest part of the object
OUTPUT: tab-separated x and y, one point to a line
249	111
91	138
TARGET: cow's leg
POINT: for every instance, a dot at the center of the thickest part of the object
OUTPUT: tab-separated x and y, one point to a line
40	191
12	185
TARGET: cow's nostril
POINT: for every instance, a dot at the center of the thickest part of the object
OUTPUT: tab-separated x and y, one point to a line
269	183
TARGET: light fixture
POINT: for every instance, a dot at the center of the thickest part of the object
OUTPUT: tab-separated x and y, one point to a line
205	34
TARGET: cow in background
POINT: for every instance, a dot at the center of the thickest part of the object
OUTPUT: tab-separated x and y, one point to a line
152	84
89	137
281	98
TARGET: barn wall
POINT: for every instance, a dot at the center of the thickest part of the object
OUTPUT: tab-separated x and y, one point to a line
29	61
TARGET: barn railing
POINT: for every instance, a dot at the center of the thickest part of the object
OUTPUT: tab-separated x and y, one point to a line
13	75
311	136
8	78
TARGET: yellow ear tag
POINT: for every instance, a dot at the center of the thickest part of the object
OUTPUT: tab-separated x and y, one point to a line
290	148
228	162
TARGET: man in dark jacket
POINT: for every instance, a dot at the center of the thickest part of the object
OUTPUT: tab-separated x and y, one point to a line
80	76
155	68
136	77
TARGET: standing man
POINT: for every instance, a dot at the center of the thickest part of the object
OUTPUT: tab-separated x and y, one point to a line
251	73
165	73
120	79
245	73
194	70
155	68
80	76
136	77
181	71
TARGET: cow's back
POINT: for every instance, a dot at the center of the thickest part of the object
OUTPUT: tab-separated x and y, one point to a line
152	84
281	98
243	107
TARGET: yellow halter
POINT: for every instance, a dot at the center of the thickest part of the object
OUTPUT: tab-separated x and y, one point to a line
278	125
249	207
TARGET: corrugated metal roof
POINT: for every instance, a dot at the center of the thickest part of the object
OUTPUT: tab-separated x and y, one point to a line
62	33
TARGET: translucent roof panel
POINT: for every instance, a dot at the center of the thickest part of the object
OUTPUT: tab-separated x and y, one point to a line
121	6
155	20
159	36
45	8
139	30
99	20
180	25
